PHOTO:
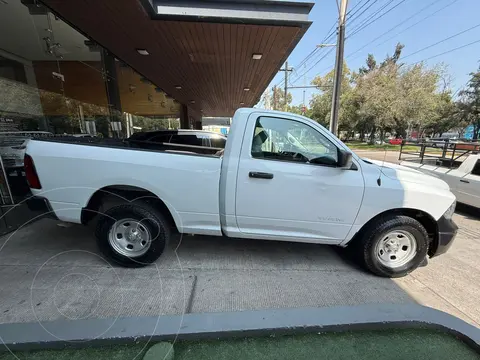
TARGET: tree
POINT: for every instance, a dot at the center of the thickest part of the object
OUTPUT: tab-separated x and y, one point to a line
371	65
394	97
321	104
278	100
390	97
469	104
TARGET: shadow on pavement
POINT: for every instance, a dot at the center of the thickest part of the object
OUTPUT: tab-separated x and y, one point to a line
468	211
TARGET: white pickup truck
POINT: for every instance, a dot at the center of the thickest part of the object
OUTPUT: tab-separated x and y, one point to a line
464	181
282	177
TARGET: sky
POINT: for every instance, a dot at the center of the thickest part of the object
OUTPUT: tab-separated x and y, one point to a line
460	15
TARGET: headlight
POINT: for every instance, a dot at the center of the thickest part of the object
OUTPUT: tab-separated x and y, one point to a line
449	213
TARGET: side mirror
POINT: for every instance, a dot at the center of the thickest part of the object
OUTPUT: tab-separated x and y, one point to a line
344	159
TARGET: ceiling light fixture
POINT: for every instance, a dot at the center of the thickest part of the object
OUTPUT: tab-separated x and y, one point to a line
256	56
143	52
246	89
178	87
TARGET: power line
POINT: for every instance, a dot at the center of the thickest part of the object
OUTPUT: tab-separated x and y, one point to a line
441	41
329	51
311	67
306	57
360	28
396	26
352	18
437	55
365	20
448	51
317	57
408	28
352	9
315	52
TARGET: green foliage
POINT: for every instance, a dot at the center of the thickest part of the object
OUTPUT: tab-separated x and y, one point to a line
468	108
278	101
391	97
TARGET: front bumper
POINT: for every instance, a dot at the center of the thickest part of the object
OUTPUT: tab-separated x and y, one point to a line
447	230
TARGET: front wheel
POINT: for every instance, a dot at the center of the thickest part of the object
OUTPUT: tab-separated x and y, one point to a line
133	234
394	246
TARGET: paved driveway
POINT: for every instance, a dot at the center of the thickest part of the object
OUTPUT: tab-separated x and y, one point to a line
49	272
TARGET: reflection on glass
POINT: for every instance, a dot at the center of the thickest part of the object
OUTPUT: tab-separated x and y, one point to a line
56	82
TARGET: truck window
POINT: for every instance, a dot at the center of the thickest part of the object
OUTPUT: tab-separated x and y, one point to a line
476	169
290	140
192	139
165	138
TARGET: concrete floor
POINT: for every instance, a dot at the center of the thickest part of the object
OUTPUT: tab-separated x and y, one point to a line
50	272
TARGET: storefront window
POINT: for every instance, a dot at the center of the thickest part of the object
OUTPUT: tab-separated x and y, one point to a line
56	82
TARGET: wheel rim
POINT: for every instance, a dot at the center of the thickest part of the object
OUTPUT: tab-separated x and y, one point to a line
396	248
129	237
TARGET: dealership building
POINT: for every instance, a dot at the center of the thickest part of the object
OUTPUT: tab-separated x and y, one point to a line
113	67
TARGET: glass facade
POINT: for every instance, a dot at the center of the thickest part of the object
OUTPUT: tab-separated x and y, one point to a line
55	81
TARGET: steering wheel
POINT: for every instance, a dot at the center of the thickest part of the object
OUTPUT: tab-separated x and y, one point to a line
295	155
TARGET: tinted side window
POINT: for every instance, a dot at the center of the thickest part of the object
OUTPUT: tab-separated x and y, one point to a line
161	138
476	168
290	140
187	140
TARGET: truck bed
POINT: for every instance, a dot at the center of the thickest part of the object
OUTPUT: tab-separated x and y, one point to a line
133	145
72	170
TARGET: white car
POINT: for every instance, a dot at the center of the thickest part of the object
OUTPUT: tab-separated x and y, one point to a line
13	145
282	177
464	181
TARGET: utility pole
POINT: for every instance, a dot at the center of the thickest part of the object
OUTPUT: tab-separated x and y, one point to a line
338	67
286	85
286	69
304	84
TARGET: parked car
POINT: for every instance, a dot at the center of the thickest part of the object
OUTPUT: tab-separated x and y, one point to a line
464	181
312	189
442	142
395	141
13	144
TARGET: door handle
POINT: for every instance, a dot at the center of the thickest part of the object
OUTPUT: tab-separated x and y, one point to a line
465	181
260	175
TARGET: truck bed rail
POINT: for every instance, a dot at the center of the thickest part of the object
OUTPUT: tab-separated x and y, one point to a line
448	154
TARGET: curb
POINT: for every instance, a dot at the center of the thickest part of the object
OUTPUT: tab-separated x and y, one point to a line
76	333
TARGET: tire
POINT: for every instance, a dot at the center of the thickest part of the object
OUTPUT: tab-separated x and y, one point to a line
123	229
402	258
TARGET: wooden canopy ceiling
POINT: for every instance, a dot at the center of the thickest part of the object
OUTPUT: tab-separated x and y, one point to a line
211	61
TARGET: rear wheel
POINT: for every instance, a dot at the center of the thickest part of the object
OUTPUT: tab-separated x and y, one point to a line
393	246
132	235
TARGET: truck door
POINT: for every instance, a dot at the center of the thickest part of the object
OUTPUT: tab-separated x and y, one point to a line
288	184
467	189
